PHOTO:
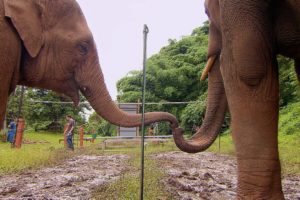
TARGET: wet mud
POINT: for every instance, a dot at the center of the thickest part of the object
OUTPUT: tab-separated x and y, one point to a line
208	176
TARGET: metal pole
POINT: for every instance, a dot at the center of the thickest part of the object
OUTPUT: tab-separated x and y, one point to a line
146	31
219	143
20	122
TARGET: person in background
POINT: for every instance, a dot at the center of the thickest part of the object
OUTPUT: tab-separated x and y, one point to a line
12	129
70	132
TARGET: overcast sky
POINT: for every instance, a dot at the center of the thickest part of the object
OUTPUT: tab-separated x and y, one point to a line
117	27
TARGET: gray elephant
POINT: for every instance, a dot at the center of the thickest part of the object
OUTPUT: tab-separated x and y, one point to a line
47	44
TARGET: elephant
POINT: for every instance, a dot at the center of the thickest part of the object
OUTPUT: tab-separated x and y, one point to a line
244	39
48	44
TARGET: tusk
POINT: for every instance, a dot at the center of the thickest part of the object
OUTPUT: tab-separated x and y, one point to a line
209	64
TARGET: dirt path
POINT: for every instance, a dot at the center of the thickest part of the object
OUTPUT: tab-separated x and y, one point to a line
208	176
74	179
190	176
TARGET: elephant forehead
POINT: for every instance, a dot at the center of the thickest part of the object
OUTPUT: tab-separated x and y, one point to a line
64	13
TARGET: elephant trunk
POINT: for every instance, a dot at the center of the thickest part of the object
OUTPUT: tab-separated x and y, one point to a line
92	85
214	117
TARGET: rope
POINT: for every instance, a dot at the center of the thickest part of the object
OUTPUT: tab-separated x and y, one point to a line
87	103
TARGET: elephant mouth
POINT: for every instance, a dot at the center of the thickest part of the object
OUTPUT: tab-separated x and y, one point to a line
210	63
71	90
76	99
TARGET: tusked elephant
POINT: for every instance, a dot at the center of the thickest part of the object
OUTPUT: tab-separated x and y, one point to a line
244	39
47	44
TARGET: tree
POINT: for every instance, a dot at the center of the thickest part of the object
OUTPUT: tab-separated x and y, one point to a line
40	113
101	126
288	82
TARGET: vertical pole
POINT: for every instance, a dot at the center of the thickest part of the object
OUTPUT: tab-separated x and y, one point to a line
146	31
21	102
19	134
138	112
81	133
93	135
20	122
4	136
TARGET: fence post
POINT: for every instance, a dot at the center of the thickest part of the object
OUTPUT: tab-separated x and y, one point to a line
81	134
19	134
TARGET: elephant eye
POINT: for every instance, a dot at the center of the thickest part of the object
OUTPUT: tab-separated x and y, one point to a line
207	13
83	48
85	91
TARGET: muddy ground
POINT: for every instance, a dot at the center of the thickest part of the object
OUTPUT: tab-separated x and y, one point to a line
208	176
74	179
189	176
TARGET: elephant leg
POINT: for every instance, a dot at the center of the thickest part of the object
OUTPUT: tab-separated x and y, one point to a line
249	71
3	100
9	63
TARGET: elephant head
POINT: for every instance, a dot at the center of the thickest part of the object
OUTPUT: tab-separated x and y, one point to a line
217	102
59	54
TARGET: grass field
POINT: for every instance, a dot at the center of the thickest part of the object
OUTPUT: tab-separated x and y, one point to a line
289	151
128	186
33	155
36	155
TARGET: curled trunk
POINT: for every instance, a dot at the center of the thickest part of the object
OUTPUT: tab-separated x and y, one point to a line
214	117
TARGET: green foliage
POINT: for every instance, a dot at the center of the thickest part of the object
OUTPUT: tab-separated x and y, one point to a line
100	126
193	114
289	86
204	29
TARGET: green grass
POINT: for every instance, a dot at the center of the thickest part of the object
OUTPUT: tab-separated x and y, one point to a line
33	155
223	144
289	151
289	138
289	120
128	186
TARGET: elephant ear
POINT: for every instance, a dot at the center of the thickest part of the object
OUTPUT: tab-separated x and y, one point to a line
26	18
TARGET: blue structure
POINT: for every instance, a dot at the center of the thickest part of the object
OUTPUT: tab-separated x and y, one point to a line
12	132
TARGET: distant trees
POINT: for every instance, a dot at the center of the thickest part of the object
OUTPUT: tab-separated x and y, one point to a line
42	115
100	126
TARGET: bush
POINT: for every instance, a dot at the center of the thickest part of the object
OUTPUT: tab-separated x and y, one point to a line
193	114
